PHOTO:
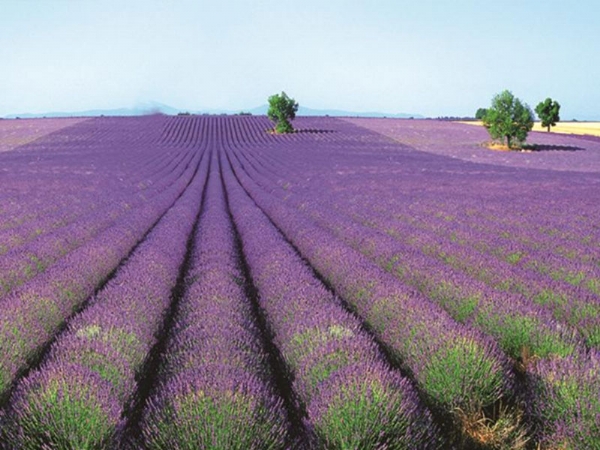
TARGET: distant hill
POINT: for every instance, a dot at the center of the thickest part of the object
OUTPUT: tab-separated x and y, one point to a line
156	107
304	111
139	110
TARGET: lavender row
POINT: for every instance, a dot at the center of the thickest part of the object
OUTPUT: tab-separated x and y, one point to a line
71	206
517	325
96	174
31	314
456	368
214	390
76	161
569	304
554	274
94	363
565	401
408	323
562	388
562	391
351	398
24	263
519	319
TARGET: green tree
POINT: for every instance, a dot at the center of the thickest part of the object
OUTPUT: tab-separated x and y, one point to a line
508	119
480	114
548	111
282	109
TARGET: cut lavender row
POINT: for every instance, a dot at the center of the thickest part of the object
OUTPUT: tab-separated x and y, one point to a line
214	390
455	366
24	263
31	314
561	232
105	346
155	175
100	176
572	262
352	399
16	133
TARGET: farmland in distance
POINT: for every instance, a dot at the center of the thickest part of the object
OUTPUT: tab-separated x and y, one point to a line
197	282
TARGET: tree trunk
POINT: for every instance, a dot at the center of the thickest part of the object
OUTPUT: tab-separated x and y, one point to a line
548	128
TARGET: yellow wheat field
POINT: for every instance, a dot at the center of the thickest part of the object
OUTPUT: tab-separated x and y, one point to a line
592	128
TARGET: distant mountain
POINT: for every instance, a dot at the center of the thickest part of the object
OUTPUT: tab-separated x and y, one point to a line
141	109
156	107
304	111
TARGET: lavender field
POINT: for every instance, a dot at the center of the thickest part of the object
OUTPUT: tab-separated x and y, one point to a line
194	282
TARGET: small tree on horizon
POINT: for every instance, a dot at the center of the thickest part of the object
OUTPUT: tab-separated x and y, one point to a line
480	114
282	109
508	118
548	112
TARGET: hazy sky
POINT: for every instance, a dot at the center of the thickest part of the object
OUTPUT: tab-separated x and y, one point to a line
442	57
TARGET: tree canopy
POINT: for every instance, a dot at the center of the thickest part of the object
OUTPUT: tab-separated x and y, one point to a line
282	109
548	111
508	119
480	114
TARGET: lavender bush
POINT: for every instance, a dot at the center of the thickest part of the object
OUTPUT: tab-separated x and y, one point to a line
463	265
105	346
352	400
215	387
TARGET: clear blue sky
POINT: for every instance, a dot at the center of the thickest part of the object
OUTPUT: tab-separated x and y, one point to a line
434	57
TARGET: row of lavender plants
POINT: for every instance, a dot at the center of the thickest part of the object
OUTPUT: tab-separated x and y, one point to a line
31	314
25	262
565	224
350	397
510	319
572	262
215	390
562	391
77	397
447	360
73	164
569	304
73	204
561	388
